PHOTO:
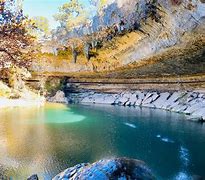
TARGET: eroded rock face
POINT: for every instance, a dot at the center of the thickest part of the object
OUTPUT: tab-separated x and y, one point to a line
179	20
178	17
120	168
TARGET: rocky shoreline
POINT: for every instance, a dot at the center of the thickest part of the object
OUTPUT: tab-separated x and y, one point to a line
185	102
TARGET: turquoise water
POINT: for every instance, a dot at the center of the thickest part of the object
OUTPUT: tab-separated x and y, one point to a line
48	140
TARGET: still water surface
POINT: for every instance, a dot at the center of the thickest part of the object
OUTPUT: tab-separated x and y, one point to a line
50	139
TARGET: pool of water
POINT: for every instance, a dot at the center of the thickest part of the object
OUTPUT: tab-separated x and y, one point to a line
50	139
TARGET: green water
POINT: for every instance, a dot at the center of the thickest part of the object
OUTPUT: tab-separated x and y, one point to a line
48	140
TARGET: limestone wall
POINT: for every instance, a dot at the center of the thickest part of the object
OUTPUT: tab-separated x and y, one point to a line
176	21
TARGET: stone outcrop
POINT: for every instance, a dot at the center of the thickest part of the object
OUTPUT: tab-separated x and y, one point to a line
189	103
120	168
58	98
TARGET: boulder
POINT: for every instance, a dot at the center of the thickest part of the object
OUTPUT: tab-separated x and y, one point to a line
58	98
33	177
119	168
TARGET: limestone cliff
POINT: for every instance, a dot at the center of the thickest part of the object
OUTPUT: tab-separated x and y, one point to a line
177	20
180	21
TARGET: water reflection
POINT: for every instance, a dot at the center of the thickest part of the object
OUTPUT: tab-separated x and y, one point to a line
48	140
184	156
165	139
24	141
130	125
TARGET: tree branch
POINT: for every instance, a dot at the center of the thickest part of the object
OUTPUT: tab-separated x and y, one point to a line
9	54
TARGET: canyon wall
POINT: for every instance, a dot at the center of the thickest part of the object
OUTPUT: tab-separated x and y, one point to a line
181	21
177	20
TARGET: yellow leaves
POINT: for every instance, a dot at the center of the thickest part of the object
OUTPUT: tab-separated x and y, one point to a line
42	24
72	14
76	21
17	47
103	2
99	3
73	4
4	90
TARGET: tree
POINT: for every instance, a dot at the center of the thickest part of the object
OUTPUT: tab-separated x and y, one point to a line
76	45
16	44
42	26
71	15
74	22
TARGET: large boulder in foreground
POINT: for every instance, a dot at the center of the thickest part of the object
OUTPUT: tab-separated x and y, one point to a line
119	168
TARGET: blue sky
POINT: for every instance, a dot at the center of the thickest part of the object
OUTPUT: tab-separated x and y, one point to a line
46	8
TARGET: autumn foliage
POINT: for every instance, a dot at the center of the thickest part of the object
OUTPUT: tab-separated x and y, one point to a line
16	44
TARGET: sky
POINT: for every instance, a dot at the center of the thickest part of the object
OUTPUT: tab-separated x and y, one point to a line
46	8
